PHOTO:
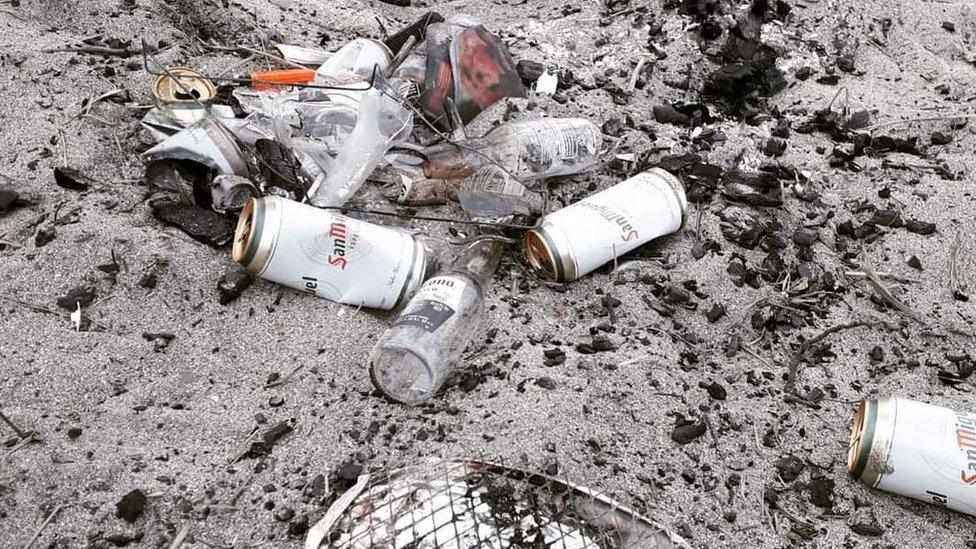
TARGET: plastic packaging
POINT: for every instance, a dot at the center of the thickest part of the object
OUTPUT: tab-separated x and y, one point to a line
421	348
380	122
528	150
360	57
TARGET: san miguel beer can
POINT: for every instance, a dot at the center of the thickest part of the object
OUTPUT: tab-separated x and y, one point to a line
328	254
578	239
916	450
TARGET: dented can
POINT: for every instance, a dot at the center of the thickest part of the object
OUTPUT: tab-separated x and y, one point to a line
333	256
916	450
578	239
359	57
184	96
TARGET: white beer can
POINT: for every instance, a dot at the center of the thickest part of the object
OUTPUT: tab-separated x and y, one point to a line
328	254
358	57
578	239
915	450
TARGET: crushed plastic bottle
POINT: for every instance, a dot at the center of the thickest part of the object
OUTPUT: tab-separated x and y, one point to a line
528	150
421	348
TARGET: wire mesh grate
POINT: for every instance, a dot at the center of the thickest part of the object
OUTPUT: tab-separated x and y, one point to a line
454	504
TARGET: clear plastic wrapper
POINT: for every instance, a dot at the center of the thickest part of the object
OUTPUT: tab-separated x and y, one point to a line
381	121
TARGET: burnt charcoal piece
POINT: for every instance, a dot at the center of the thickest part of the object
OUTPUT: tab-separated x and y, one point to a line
45	235
829	80
206	226
279	167
822	492
710	29
417	29
845	63
887	218
782	129
755	188
886	143
233	283
71	179
775	146
715	313
687	431
268	439
666	114
806	236
920	227
83	295
868	530
10	199
715	390
131	506
749	71
546	383
744	228
790	468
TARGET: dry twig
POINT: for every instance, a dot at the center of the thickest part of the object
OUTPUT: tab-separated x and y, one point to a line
43	525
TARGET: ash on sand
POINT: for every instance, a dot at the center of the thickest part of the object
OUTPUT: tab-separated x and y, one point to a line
727	429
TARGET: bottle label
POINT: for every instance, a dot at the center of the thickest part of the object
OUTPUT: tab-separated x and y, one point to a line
433	304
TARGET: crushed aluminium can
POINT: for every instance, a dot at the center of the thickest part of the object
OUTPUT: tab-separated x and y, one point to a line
579	238
916	450
358	57
182	98
208	142
323	252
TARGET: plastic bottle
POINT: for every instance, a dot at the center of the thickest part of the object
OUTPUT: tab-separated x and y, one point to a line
528	150
421	348
490	192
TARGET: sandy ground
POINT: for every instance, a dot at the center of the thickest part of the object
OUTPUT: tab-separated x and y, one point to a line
170	423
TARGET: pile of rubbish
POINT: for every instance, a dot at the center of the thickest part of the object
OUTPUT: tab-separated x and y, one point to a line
379	121
280	168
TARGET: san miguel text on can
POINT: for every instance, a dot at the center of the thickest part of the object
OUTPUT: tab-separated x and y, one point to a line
328	254
578	239
916	450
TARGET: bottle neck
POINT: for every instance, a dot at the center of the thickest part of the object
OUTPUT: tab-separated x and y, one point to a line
479	260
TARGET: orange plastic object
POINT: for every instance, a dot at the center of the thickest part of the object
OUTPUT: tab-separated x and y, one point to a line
263	81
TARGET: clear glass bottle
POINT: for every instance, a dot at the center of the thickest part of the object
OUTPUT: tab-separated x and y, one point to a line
416	354
527	150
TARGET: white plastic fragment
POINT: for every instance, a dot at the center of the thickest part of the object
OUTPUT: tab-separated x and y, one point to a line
547	83
76	317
